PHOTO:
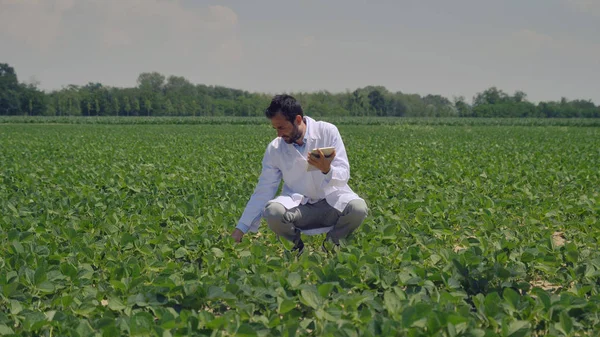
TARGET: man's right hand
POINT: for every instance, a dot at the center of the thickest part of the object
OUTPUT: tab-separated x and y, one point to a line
237	235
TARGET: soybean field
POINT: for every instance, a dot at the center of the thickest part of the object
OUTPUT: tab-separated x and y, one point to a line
117	228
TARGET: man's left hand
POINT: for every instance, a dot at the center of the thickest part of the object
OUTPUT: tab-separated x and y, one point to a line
322	163
237	235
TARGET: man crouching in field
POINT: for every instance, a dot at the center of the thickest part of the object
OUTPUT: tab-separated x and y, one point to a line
312	201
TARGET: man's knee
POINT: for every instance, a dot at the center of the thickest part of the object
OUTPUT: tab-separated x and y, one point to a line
357	209
274	210
277	217
273	213
352	217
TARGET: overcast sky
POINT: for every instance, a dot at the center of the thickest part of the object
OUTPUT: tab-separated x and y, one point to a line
547	48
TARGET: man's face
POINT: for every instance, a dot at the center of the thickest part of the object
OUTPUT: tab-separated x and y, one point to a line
290	132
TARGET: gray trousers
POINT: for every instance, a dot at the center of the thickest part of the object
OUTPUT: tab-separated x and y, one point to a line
311	216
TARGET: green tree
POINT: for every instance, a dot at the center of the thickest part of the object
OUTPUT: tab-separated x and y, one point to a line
168	108
490	96
148	106
9	91
136	106
519	96
33	101
153	82
377	102
463	109
127	105
157	95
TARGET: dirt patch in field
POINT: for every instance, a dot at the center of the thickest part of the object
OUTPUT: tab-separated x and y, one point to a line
545	285
458	248
558	238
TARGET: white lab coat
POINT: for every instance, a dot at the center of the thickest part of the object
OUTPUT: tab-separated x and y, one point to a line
282	160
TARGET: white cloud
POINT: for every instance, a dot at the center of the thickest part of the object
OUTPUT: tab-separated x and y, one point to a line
34	22
115	37
308	41
528	36
531	43
224	15
141	24
168	23
587	6
527	40
545	65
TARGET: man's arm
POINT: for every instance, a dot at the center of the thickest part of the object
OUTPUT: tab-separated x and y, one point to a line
339	171
265	190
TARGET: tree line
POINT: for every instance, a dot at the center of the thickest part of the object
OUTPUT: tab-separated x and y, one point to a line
159	95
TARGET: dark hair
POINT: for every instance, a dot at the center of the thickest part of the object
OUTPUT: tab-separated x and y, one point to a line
286	105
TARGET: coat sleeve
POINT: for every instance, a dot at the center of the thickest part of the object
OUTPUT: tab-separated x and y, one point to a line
265	190
339	174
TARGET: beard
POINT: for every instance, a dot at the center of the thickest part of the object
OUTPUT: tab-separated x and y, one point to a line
296	134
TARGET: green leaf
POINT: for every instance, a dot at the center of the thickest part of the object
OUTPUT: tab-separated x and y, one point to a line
294	280
127	238
306	322
527	257
566	323
543	296
572	254
34	321
512	297
416	315
141	324
461	268
518	329
18	247
215	292
391	301
46	287
217	252
245	330
15	307
216	323
4	330
491	304
84	328
68	270
325	289
455	319
40	275
166	333
180	253
245	253
286	305
114	303
12	208
502	273
324	315
50	314
310	297
390	231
